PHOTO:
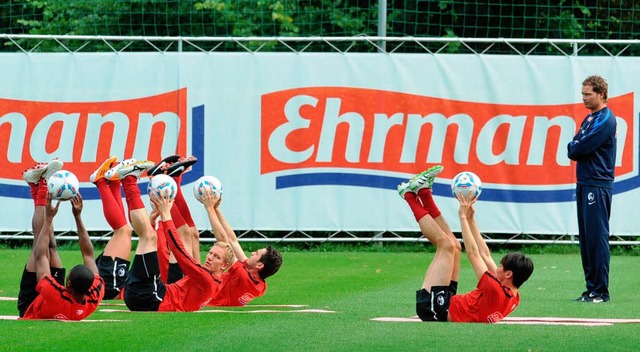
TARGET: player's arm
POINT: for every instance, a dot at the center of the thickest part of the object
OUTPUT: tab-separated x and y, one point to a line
210	199
162	246
470	245
601	129
41	247
187	264
86	248
231	235
485	253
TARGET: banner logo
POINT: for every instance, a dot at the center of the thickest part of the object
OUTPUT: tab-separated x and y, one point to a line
366	137
84	134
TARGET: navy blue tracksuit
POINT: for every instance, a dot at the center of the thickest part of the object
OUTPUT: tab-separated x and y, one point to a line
594	150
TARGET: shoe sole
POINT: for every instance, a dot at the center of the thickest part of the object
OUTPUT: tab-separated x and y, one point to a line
157	168
52	167
34	174
181	166
136	170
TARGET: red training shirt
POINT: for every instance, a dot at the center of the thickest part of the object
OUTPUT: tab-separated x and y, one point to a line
490	302
55	301
198	285
239	287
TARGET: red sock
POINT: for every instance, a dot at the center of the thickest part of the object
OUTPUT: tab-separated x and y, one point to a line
132	193
112	212
176	216
426	197
41	195
34	190
116	190
418	211
181	203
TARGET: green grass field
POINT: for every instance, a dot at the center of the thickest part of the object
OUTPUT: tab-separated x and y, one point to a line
357	286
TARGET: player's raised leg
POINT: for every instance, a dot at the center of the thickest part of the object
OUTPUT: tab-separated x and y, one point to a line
128	174
423	183
113	263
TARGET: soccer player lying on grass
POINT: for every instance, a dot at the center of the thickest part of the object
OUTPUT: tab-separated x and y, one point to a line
245	280
144	291
49	299
496	294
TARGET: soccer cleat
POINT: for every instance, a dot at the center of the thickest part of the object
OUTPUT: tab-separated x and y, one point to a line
33	174
102	170
134	169
180	166
426	178
112	173
53	166
160	167
405	187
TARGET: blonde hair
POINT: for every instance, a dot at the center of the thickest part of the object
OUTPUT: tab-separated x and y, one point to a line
229	255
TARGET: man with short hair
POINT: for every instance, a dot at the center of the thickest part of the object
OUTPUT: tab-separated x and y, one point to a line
594	150
496	294
246	278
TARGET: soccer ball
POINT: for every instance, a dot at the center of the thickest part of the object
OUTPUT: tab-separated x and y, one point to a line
466	185
204	184
160	183
63	185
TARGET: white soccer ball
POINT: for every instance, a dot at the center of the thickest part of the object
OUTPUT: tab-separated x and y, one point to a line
466	185
204	184
63	185
160	183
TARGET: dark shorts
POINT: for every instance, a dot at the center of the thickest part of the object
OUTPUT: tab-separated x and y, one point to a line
434	305
143	289
28	284
114	273
175	273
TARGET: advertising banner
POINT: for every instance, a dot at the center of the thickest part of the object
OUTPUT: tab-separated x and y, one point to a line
319	141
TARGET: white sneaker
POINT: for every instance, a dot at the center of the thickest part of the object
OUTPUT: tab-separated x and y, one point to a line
112	173
33	174
53	166
134	169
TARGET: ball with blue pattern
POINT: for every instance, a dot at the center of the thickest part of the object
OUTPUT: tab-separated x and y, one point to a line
63	185
206	183
466	185
159	184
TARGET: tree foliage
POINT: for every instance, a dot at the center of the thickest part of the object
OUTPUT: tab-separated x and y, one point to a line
568	19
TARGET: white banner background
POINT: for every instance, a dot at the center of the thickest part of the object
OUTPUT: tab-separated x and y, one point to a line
230	87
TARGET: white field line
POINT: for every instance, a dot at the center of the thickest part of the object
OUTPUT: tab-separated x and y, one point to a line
535	321
106	310
265	311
